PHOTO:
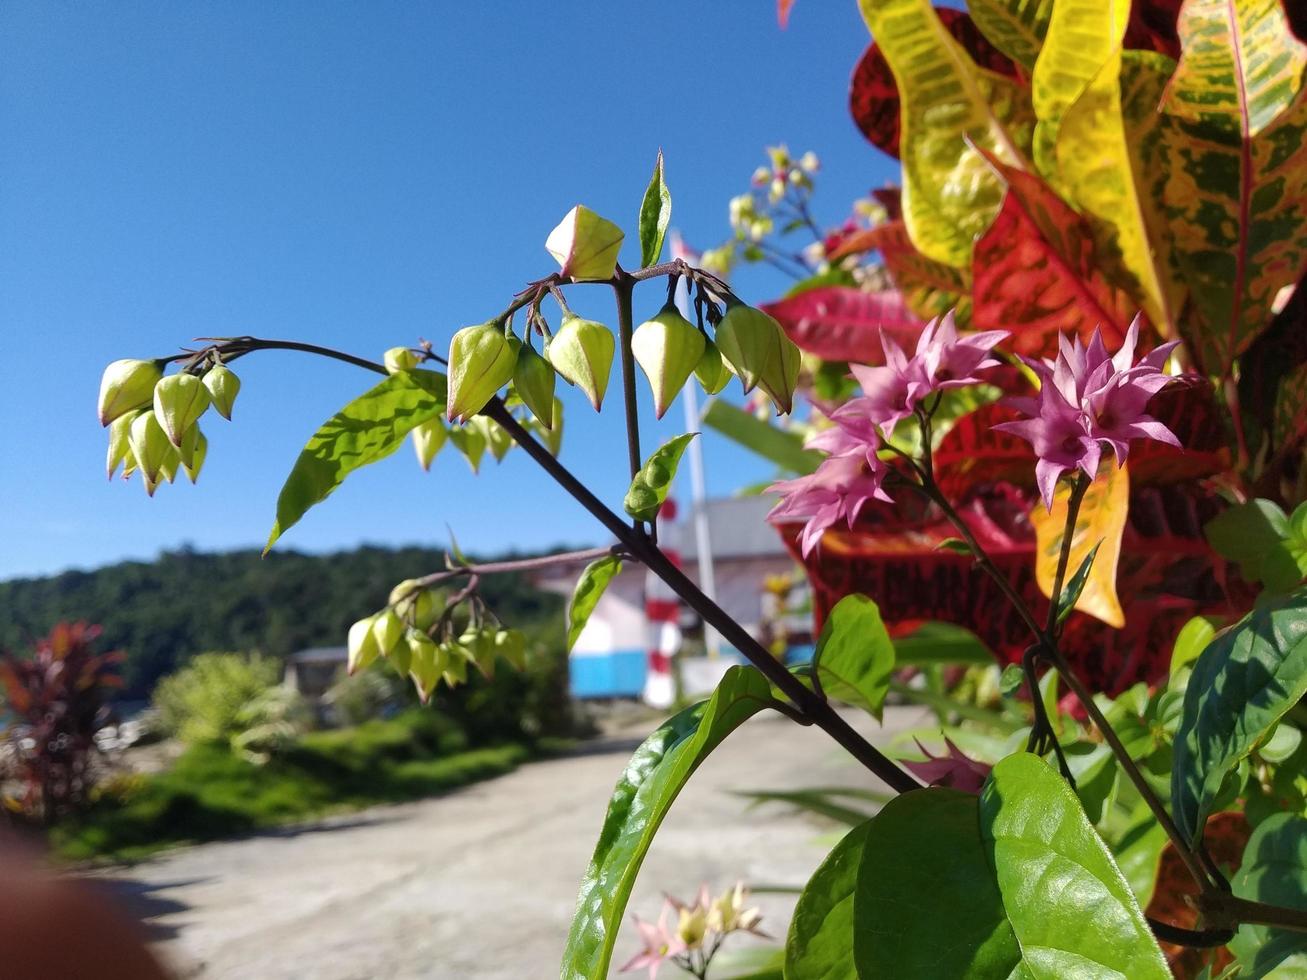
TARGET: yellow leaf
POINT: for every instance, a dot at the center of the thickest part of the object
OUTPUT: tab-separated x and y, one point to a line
1101	518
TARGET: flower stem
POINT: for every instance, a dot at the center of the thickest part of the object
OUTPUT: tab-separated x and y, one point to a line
623	288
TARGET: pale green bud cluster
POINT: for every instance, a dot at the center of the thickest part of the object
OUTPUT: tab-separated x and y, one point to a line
153	419
481	361
760	353
668	348
585	245
582	352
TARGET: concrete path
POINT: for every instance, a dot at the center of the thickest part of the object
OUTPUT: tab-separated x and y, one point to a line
480	883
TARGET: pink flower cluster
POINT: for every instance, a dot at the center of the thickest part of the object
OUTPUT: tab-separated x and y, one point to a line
853	472
1087	398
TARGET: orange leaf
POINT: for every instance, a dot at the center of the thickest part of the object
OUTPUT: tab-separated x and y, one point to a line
1102	518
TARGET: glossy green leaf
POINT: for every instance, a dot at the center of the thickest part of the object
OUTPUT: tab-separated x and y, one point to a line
1236	199
855	656
1241	685
655	215
654	481
589	589
941	643
1068	904
1015	27
644	794
926	905
948	109
1138	852
1274	871
1260	537
369	428
1191	641
778	446
818	947
1075	585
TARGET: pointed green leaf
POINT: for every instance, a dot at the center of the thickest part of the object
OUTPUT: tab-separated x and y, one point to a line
655	775
1257	534
1241	685
855	656
1015	27
1076	585
655	216
1274	871
589	588
818	946
1237	196
778	446
654	481
949	107
369	428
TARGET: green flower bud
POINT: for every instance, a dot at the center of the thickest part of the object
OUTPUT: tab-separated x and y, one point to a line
760	353
415	606
481	361
223	387
423	665
399	359
362	644
585	245
480	647
470	440
198	454
454	667
186	449
127	385
179	401
711	371
533	380
149	445
172	462
388	628
120	450
511	646
781	375
428	437
667	348
582	352
497	437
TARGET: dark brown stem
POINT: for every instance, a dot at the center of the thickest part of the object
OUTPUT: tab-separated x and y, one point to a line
623	288
515	565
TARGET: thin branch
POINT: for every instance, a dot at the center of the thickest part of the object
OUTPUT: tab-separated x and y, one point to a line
515	565
623	287
1064	555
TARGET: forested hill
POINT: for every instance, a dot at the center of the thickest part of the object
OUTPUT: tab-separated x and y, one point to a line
187	602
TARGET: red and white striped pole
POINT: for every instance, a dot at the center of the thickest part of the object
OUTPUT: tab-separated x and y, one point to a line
662	613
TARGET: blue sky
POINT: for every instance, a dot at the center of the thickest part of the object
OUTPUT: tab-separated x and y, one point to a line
356	174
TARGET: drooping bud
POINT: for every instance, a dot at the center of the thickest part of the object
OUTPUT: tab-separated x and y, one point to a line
186	450
497	437
760	353
481	361
553	438
415	605
172	462
223	387
428	437
454	665
150	446
667	348
781	375
127	385
362	644
423	666
480	647
179	401
585	245
198	454
399	359
388	628
711	371
120	450
511	646
470	440
582	352
533	380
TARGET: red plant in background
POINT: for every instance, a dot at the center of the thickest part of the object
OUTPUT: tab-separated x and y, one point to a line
57	697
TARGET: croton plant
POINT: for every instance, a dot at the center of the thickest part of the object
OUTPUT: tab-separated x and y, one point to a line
1064	409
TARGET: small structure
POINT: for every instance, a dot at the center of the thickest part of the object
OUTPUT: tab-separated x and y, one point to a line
312	672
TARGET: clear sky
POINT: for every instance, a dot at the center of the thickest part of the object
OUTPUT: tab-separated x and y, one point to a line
358	174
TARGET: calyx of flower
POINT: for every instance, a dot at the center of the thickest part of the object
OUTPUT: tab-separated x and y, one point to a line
428	437
511	646
668	348
179	401
415	605
388	628
711	371
585	245
582	352
127	385
198	453
399	359
481	361
760	352
223	386
423	666
150	448
534	379
120	450
362	644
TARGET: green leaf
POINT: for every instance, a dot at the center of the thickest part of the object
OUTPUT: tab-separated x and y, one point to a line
855	656
1071	592
1010	681
1259	536
1191	641
1241	685
778	446
823	802
749	963
644	794
941	643
1051	866
818	946
924	865
1138	852
1015	27
589	588
369	428
655	215
1274	871
654	481
950	109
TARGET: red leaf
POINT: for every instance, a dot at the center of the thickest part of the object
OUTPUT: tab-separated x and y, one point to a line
1033	271
874	97
1188	407
972	453
840	323
1152	27
783	8
929	288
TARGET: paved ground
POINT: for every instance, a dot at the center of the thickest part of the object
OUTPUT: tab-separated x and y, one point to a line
480	884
